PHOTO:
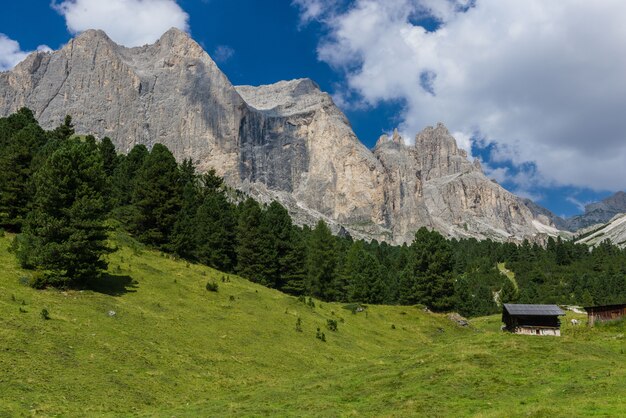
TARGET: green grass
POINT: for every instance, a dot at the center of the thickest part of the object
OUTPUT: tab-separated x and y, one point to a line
175	349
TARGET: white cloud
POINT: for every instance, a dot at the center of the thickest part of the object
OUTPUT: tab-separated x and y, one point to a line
499	174
314	9
11	54
527	194
579	205
223	53
544	80
127	22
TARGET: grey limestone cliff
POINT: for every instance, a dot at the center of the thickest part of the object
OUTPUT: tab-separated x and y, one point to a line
286	141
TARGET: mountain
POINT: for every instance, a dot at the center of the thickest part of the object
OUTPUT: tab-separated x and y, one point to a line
286	141
598	212
614	231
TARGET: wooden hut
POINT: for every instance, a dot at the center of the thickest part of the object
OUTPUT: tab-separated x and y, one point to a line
605	313
532	319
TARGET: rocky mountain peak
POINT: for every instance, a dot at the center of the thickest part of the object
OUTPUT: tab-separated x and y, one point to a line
616	203
285	141
396	138
286	98
439	154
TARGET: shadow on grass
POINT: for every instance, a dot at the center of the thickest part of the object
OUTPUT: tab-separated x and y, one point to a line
113	285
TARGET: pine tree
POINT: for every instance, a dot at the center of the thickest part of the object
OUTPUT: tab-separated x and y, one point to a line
293	265
211	182
20	139
321	263
278	227
182	241
64	234
254	253
157	197
214	235
364	275
428	278
123	180
508	292
109	155
64	131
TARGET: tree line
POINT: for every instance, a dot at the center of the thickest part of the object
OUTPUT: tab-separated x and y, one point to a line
61	193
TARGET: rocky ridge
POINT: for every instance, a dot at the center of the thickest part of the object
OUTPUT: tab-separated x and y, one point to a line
614	231
598	212
286	141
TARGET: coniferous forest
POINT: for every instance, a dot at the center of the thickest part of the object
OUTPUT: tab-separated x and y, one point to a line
62	194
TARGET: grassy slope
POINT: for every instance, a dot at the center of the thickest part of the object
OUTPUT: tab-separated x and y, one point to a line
509	274
174	349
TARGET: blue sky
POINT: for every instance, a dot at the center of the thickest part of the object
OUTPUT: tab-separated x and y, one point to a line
530	115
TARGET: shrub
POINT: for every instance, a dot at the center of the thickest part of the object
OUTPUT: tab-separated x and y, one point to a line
45	315
212	286
231	298
299	325
331	324
311	303
39	280
320	335
302	299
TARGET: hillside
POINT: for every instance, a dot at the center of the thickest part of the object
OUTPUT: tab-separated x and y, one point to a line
174	349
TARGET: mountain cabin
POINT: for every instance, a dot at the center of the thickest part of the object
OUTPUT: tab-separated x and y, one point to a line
605	313
532	319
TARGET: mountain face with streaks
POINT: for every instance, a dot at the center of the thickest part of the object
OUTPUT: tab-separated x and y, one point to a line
286	141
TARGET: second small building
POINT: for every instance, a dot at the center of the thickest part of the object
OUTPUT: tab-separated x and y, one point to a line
532	319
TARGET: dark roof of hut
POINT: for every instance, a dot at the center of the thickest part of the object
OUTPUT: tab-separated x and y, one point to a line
533	310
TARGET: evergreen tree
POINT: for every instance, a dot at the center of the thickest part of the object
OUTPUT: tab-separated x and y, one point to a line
214	236
211	182
365	276
109	156
428	278
279	230
123	179
21	137
508	292
185	228
293	265
64	131
157	197
254	254
321	263
64	234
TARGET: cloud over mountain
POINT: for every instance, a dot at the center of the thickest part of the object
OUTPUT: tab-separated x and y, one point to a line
543	81
11	53
127	22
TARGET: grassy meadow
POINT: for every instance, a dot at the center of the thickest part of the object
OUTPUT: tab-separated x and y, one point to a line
152	341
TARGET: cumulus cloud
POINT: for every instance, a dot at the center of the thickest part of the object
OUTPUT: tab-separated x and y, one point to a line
543	81
127	22
313	9
11	54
